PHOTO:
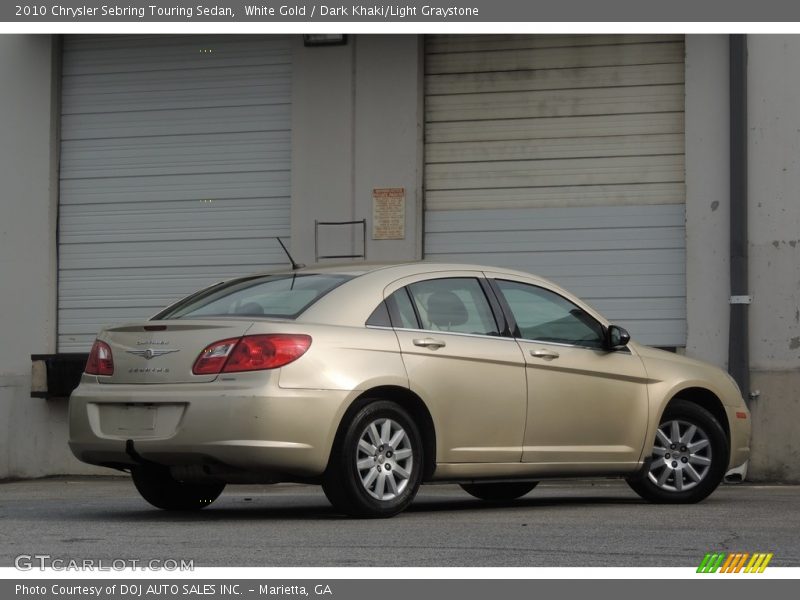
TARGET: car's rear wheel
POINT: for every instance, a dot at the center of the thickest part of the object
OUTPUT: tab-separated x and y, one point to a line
376	464
159	488
690	455
499	492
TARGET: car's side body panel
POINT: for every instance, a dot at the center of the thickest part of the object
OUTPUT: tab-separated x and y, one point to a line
345	359
741	429
531	471
476	393
474	385
585	406
670	375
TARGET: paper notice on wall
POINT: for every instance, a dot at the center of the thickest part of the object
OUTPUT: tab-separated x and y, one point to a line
388	213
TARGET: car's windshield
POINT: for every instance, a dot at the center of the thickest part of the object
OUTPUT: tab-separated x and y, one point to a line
281	296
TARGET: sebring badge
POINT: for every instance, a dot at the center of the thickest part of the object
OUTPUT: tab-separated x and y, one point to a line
151	352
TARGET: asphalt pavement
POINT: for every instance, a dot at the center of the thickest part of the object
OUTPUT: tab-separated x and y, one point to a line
560	523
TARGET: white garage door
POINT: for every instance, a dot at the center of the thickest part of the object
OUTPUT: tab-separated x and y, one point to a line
563	156
175	159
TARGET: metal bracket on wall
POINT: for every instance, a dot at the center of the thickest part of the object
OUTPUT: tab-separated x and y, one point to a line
361	222
741	300
54	376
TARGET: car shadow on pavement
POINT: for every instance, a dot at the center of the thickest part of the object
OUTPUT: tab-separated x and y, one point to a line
312	508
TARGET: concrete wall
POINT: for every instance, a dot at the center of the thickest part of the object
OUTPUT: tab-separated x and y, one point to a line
707	198
389	130
774	253
338	159
33	432
774	223
357	124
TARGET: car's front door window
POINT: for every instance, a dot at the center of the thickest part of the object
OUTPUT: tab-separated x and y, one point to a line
545	316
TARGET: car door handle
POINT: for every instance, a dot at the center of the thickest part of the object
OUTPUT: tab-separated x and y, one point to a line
429	343
544	354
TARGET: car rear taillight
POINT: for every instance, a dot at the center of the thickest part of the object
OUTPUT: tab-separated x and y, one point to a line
251	353
100	362
213	357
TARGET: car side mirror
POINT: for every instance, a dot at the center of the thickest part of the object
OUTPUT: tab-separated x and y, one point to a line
617	337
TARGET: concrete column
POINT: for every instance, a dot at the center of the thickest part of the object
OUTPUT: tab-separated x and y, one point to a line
707	198
33	432
322	145
774	253
774	223
356	125
389	130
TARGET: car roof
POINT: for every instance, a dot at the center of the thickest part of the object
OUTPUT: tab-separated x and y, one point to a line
385	273
395	270
366	289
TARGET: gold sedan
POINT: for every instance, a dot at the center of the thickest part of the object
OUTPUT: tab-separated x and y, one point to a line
371	380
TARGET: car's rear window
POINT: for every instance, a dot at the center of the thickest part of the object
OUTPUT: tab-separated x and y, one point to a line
281	296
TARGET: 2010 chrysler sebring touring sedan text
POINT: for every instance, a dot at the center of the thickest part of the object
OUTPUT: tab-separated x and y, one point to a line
373	380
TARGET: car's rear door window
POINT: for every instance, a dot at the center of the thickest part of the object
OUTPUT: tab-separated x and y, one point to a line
545	316
401	310
281	296
456	304
379	316
396	311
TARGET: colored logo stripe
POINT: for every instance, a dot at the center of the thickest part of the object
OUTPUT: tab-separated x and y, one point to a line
758	563
711	562
727	565
734	562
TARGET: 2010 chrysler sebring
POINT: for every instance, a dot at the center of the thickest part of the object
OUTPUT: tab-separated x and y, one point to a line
371	380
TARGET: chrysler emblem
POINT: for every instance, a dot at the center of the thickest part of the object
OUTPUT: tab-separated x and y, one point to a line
151	352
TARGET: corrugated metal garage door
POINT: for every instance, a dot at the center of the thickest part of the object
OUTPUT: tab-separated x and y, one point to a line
564	156
175	161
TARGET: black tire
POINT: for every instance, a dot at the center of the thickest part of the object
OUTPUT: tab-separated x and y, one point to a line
349	488
673	461
160	489
499	492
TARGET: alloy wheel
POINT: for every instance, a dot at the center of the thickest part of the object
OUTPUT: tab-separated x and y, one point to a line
385	459
681	456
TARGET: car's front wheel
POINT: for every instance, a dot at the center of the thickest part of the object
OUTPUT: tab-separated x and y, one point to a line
159	488
690	455
376	464
499	492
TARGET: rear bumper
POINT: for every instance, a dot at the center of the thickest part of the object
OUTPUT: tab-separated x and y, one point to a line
247	426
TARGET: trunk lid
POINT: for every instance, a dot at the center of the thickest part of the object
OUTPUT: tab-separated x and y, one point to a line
165	351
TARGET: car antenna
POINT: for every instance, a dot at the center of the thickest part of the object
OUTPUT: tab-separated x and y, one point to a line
295	265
